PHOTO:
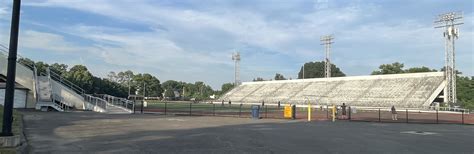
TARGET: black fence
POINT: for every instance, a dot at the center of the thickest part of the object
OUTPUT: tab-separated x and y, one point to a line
317	113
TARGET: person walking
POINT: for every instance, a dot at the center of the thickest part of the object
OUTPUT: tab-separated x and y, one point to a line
394	113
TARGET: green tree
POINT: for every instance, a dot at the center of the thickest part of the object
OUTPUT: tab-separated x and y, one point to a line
80	76
226	87
27	62
41	67
258	79
465	91
419	69
169	93
151	84
394	68
278	76
60	69
316	70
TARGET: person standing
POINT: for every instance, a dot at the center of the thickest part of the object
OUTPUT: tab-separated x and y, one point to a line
394	113
343	108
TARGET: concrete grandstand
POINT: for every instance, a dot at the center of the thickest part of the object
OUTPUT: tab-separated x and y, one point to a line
411	90
52	92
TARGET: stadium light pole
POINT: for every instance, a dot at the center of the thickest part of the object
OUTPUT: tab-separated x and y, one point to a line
448	21
11	70
236	59
327	41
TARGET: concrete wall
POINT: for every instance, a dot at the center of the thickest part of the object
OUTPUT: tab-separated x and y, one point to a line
70	97
24	76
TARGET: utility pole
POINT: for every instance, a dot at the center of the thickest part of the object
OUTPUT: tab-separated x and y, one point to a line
11	70
236	59
129	78
448	21
327	41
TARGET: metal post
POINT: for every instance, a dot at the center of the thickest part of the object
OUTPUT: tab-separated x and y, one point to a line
266	111
240	110
142	105
350	113
379	115
406	115
327	112
437	117
190	108
166	107
11	71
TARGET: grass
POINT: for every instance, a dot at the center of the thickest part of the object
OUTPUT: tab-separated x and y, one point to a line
202	106
16	121
15	129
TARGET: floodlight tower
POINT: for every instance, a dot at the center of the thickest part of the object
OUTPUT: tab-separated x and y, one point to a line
236	59
327	41
448	21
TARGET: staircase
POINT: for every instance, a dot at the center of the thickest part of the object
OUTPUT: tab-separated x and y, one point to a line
51	91
46	98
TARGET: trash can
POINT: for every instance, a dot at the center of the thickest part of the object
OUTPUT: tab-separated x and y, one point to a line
255	111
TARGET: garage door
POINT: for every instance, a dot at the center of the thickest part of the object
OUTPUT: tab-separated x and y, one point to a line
20	98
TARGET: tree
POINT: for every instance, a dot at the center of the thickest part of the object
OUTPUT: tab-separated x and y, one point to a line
258	79
26	62
80	76
60	69
419	69
465	91
169	93
394	68
226	87
41	67
317	70
444	68
151	83
279	77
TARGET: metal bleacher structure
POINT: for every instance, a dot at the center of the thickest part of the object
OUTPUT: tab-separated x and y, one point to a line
50	91
410	90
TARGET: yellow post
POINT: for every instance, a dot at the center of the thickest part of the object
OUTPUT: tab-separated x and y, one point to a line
309	111
333	113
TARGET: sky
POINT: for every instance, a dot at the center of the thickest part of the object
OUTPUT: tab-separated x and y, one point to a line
193	40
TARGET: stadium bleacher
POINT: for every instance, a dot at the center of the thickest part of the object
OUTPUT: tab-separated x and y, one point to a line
411	90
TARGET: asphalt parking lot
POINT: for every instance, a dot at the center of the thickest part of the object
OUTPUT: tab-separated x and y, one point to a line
87	132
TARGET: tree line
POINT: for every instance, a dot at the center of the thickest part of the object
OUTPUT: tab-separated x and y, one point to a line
120	84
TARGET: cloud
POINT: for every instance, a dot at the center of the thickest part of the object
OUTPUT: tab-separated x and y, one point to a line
47	42
204	34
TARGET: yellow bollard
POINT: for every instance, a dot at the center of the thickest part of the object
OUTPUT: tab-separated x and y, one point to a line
309	111
333	113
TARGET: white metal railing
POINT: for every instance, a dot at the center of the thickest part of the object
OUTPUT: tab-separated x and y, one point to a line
95	103
118	101
455	109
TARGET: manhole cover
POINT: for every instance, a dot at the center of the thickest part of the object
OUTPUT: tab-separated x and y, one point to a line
418	132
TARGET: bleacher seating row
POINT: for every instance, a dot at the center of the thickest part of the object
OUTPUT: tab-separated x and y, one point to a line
412	90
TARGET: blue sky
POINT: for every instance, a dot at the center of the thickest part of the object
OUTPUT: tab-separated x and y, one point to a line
193	40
